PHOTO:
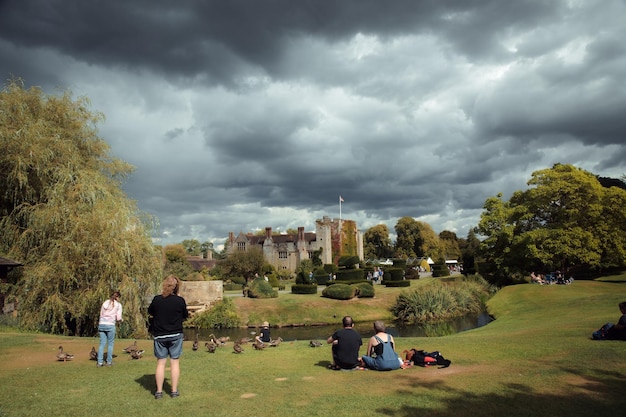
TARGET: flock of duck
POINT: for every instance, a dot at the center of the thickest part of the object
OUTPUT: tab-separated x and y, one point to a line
217	342
133	351
211	346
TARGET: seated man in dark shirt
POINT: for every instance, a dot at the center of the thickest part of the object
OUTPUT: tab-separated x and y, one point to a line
346	344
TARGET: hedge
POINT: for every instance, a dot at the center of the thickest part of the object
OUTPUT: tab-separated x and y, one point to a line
350	275
304	289
406	283
340	291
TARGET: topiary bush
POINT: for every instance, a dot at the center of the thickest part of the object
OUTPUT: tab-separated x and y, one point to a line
259	288
304	289
351	275
340	291
440	270
393	274
397	284
365	289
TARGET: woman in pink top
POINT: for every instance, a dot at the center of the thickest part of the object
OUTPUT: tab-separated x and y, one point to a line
110	313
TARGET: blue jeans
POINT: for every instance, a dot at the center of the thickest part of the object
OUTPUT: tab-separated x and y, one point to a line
107	335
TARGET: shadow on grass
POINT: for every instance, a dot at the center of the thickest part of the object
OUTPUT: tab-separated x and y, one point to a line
323	364
148	383
599	394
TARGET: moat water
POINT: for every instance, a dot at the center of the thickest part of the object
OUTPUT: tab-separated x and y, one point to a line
366	330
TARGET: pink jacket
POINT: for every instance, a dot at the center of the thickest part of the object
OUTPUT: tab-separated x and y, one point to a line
110	314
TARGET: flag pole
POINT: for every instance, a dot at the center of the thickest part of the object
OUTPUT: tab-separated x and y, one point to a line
340	200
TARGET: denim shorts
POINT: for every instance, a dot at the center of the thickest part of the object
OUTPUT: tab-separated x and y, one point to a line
172	347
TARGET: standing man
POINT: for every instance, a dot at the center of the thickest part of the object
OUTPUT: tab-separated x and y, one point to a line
168	311
346	344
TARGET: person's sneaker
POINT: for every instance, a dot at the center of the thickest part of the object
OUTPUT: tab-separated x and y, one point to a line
109	364
174	394
158	395
99	365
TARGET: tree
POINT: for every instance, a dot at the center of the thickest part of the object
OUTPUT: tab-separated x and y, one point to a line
565	220
243	263
64	216
449	244
408	240
176	262
192	247
377	243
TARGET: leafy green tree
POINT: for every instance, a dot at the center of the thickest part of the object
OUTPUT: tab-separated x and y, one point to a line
449	245
565	220
408	239
377	243
416	239
176	262
64	215
192	247
243	263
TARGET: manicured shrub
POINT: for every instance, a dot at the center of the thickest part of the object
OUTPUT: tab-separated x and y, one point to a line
350	275
348	262
440	270
340	291
365	289
393	274
304	289
259	288
397	284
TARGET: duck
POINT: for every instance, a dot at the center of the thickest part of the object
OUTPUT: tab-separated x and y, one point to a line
131	348
237	348
244	340
223	340
93	355
136	354
315	343
275	342
64	356
210	347
194	346
258	345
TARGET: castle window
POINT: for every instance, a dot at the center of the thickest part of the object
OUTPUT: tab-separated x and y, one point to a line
282	255
241	246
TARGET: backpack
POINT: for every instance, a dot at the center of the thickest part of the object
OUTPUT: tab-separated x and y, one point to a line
423	358
602	332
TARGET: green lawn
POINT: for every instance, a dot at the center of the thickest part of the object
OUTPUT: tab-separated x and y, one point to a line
535	359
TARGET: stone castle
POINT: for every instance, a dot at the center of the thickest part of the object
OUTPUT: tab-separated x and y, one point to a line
335	238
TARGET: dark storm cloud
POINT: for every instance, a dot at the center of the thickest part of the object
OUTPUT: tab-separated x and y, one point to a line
245	114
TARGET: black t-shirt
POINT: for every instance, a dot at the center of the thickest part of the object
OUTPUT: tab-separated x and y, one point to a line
169	314
346	351
265	334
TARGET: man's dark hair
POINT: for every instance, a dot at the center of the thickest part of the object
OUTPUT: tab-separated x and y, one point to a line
347	321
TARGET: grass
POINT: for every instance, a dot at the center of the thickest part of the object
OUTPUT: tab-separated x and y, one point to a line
535	359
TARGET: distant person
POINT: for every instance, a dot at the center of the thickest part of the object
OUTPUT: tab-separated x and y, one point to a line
110	313
264	336
168	310
381	355
346	344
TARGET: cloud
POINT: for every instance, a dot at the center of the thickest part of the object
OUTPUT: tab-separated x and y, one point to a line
244	114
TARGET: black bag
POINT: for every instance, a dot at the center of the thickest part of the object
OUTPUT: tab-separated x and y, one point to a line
423	358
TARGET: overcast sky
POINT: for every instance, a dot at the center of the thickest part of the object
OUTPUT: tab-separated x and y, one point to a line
244	114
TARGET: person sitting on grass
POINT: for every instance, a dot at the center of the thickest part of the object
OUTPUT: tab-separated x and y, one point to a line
381	355
346	344
618	330
264	336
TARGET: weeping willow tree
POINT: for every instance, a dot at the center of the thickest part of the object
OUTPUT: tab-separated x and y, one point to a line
64	216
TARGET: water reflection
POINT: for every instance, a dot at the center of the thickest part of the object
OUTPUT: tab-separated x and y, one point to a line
365	329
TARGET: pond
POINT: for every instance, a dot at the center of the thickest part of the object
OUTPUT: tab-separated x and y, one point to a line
365	329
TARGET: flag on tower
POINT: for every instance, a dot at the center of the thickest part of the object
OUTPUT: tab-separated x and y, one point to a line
340	199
